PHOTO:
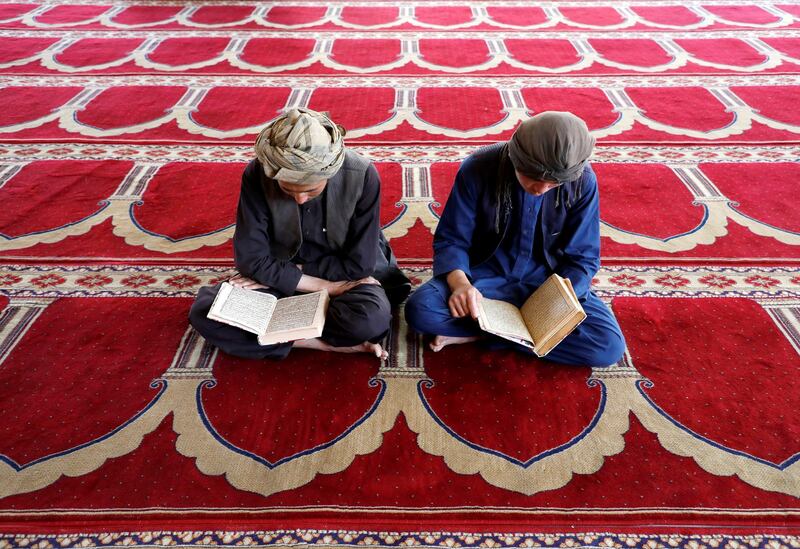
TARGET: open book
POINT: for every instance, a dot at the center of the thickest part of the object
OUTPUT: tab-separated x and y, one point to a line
547	317
273	320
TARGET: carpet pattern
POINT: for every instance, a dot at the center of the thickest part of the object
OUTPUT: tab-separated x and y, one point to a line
124	132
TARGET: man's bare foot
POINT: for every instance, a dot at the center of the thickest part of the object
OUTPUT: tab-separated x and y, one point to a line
366	347
440	342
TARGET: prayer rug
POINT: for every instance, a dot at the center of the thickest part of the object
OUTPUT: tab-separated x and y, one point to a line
124	130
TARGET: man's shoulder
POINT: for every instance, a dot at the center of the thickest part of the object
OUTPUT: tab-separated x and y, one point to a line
359	175
355	162
487	152
588	179
252	170
480	169
583	190
483	159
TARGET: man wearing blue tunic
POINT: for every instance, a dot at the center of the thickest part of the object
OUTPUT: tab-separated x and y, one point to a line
518	212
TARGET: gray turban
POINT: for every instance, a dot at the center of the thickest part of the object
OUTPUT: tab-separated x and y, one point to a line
301	147
551	145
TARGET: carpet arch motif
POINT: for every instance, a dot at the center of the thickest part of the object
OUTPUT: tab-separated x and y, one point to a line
552	16
119	208
401	381
406	111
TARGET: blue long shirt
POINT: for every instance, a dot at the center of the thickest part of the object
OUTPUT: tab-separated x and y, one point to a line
569	234
513	272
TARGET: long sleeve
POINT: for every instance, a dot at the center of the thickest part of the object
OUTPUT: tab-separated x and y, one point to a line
251	245
453	236
581	233
358	256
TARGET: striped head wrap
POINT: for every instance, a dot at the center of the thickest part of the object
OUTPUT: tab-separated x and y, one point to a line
301	147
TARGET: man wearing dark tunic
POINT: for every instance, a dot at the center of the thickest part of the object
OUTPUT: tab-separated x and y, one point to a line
307	220
518	212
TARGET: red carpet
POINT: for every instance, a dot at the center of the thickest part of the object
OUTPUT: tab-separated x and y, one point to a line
123	133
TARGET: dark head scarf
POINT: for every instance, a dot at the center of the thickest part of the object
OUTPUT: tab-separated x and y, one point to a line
551	146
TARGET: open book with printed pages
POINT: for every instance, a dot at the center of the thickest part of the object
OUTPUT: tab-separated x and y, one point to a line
547	317
273	320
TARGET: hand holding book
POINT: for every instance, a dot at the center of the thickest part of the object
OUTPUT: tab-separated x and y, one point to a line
464	298
343	286
546	318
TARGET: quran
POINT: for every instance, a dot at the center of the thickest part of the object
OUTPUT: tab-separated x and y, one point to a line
547	317
273	320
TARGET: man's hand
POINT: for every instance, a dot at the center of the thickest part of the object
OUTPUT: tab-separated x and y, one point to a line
337	287
464	297
342	286
240	281
464	301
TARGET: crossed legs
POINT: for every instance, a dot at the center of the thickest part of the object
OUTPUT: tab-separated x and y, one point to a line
596	342
356	322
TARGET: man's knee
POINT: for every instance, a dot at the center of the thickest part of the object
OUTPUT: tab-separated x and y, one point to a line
228	339
609	352
198	313
604	344
425	304
365	310
416	309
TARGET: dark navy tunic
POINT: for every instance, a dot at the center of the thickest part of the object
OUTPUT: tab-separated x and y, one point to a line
251	243
361	314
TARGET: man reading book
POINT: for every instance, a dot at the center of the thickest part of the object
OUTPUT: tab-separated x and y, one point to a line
308	220
518	212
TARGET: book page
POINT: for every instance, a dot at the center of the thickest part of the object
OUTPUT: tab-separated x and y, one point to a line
245	309
296	312
548	309
503	319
